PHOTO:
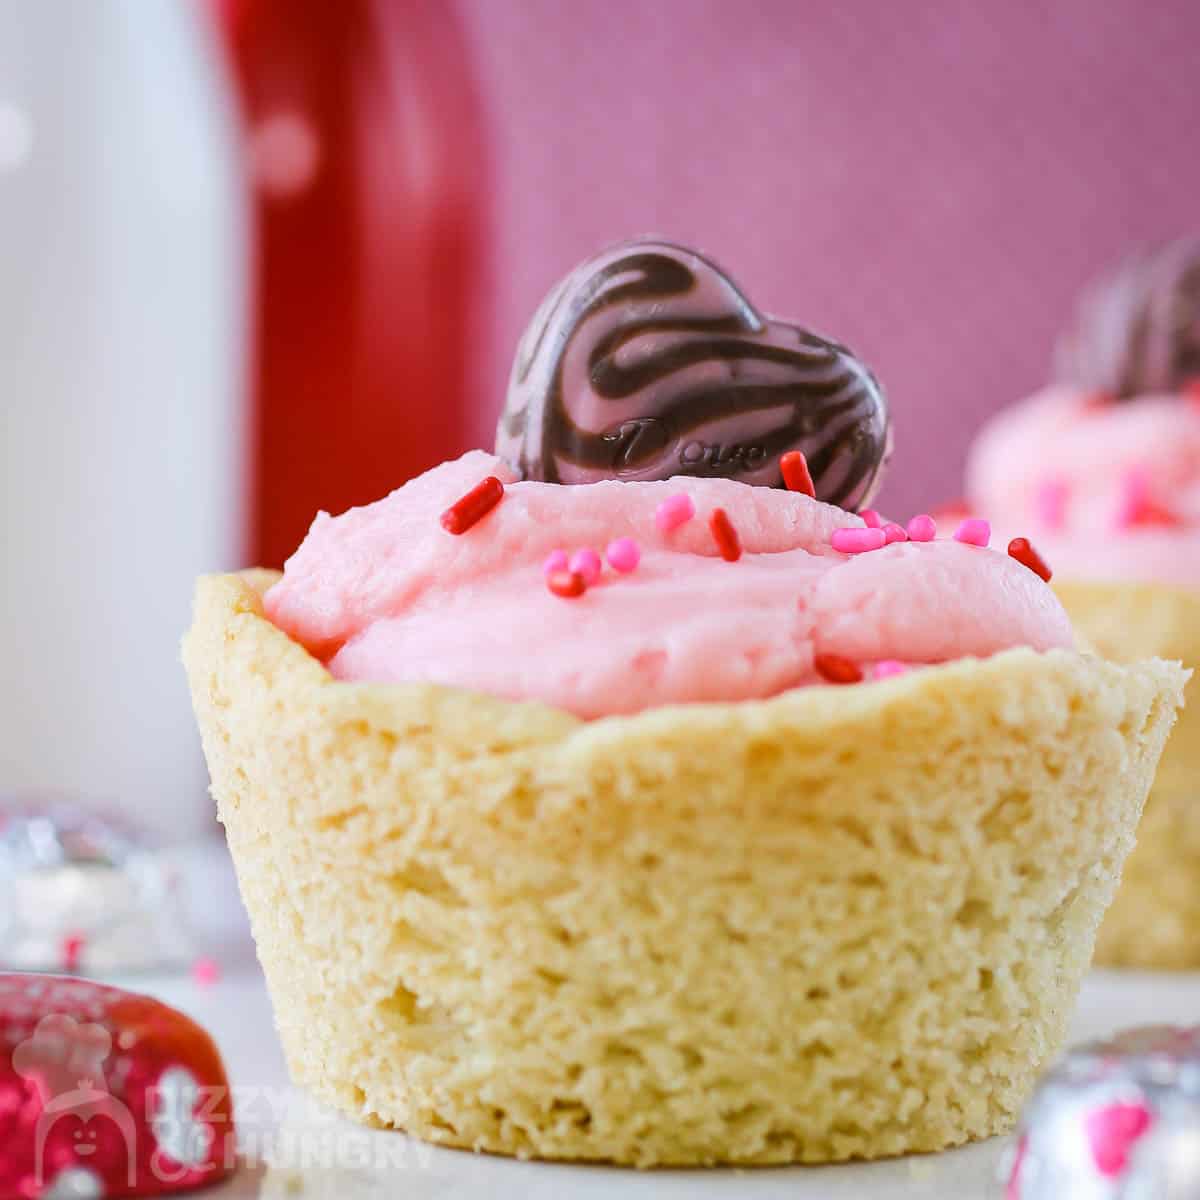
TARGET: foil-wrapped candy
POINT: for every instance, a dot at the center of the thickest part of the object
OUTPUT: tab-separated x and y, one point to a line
106	1094
1115	1120
83	892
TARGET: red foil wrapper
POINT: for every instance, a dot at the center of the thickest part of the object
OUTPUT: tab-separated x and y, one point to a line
106	1094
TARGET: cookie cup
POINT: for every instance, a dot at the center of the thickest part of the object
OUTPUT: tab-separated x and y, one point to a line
841	923
1154	921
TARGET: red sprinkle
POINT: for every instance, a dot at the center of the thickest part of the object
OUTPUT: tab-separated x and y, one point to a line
1027	556
835	669
567	584
1192	391
1098	401
725	535
1153	513
1136	506
796	477
72	951
474	506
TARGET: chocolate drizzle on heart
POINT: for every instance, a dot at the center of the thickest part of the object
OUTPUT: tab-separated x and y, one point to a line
647	362
1137	330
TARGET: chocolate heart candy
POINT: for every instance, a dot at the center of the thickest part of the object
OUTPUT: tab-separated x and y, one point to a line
1137	330
647	362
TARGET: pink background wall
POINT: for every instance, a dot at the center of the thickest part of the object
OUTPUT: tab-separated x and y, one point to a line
929	181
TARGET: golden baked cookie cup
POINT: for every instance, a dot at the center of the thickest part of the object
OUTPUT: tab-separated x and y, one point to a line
841	923
1155	919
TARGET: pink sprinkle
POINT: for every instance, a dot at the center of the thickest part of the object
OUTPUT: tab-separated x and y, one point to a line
586	563
922	528
1050	502
871	519
206	972
894	533
674	511
623	555
1112	1131
1013	1190
857	541
1134	495
556	560
889	668
974	532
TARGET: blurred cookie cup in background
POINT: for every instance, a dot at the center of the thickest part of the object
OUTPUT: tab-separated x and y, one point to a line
1103	469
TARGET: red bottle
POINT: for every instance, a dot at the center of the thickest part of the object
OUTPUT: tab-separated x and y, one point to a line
365	155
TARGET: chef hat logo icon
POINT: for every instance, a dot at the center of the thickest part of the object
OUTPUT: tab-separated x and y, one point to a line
60	1054
64	1061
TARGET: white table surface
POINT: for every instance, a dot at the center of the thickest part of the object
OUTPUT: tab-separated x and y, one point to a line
293	1148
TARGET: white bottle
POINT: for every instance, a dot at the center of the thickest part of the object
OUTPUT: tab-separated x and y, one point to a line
123	279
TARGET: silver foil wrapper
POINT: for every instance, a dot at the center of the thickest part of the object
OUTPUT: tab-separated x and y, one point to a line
1114	1120
85	893
75	1183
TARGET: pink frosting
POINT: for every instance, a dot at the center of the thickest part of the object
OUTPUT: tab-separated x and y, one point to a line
1069	473
384	593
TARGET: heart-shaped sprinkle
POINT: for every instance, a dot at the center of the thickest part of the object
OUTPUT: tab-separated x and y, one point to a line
648	362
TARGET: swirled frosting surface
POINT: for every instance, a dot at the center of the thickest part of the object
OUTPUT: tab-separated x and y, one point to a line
384	593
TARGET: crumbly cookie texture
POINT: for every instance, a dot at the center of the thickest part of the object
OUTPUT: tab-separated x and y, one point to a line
1155	919
841	923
